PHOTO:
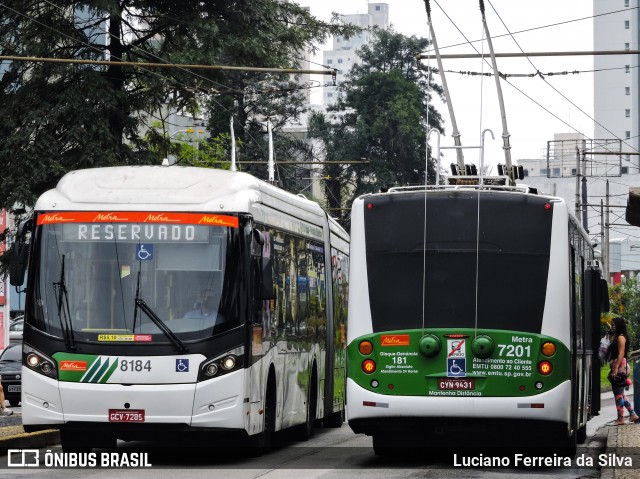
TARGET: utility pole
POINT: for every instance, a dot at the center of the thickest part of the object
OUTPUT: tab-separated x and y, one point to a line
605	249
577	209
585	220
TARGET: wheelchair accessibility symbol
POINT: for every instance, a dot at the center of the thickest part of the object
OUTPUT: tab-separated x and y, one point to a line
182	365
456	367
144	252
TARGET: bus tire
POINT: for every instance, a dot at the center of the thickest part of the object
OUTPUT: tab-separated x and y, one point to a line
306	429
570	446
73	441
335	419
382	445
581	434
263	442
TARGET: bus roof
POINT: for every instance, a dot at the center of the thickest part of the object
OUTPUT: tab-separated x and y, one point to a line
170	188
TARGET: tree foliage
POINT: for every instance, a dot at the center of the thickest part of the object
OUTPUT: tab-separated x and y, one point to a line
383	116
625	301
55	117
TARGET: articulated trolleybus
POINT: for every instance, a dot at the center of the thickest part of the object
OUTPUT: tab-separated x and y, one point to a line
473	313
170	299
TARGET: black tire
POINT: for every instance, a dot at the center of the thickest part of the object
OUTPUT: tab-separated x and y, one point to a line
262	443
14	402
305	431
581	434
382	445
334	420
73	441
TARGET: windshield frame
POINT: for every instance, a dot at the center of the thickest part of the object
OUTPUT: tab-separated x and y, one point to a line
223	228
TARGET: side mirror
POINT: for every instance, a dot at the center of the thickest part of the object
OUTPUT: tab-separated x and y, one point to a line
19	255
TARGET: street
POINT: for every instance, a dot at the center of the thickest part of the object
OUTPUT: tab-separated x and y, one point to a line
334	453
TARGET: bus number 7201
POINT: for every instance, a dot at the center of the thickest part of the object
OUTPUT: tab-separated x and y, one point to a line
512	351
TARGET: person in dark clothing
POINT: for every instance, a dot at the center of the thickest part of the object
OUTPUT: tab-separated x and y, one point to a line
618	351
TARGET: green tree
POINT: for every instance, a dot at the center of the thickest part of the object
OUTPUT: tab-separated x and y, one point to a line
56	117
383	117
625	301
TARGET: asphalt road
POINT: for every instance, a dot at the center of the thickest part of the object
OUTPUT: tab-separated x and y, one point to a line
331	453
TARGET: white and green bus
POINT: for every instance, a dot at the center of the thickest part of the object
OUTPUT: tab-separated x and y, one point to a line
165	299
473	313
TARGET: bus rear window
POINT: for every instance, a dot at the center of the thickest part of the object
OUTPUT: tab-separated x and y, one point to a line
502	266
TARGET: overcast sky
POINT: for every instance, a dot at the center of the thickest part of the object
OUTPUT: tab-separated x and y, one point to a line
474	97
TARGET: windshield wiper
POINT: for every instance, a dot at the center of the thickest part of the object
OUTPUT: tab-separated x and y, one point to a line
144	307
64	314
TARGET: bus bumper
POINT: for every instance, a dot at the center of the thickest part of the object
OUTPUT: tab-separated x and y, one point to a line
216	403
369	412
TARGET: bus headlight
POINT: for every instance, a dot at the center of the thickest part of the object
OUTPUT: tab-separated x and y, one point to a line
228	363
39	362
222	364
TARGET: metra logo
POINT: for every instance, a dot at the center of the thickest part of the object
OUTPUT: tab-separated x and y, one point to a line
395	340
109	217
217	220
73	365
160	218
53	218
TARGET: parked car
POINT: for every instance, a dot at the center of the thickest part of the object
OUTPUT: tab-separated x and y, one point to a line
11	373
15	331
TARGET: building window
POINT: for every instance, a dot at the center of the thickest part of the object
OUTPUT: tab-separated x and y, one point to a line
627	90
626	3
573	172
627	134
626	24
625	170
544	171
627	113
627	157
626	46
627	68
378	7
556	171
330	95
329	62
337	39
339	60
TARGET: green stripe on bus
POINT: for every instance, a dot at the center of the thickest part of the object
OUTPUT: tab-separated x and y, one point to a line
92	370
106	377
101	371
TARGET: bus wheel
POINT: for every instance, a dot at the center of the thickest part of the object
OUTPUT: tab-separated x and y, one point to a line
382	445
262	443
570	446
73	441
334	419
581	434
306	429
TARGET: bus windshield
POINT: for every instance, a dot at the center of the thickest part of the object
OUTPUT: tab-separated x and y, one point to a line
102	276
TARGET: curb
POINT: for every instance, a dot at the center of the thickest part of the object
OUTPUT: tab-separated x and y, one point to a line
612	445
35	440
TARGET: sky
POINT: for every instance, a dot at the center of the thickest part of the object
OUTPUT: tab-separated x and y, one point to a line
568	99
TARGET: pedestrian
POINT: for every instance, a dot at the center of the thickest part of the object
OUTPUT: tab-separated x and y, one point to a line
618	351
3	408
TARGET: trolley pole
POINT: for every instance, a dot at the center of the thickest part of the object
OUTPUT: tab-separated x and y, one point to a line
605	252
585	219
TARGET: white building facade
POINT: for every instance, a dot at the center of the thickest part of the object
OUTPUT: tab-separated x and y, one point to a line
343	54
616	78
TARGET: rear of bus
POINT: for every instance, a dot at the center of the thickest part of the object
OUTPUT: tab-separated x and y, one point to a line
462	319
